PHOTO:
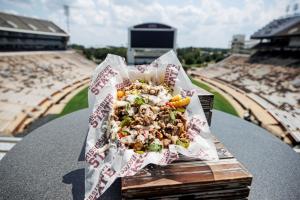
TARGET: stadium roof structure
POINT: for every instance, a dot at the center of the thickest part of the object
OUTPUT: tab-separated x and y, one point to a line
152	26
14	23
283	27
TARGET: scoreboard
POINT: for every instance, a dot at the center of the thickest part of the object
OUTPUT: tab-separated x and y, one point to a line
147	42
152	39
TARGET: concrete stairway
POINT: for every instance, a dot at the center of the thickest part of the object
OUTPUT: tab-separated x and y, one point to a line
6	144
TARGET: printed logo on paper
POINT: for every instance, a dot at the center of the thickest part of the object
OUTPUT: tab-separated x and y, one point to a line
101	111
102	79
171	74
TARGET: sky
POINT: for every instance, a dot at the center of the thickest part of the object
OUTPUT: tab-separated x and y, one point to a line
199	23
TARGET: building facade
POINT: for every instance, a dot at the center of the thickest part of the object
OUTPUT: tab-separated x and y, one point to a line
238	43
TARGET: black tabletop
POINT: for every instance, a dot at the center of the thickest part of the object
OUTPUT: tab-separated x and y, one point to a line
49	162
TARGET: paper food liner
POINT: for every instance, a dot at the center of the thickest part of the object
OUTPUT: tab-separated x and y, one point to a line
104	167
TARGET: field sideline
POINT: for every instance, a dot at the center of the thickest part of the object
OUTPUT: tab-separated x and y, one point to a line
80	101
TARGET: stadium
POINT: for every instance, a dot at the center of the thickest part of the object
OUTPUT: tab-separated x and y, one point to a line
98	118
38	76
265	85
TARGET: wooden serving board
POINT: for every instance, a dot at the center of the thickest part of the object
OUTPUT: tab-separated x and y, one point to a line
189	178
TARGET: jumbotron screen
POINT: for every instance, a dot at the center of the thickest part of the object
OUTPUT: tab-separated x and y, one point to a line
152	39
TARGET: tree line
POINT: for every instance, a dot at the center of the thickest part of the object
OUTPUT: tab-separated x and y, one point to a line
189	56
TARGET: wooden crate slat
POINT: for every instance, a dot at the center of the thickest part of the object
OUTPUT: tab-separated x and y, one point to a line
241	193
188	176
208	192
190	172
189	188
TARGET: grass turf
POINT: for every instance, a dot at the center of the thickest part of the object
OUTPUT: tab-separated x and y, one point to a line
80	101
220	103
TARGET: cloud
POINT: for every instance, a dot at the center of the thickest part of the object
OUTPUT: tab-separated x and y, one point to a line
199	23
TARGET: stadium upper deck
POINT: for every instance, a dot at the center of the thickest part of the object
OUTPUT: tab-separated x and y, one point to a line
280	35
19	33
31	82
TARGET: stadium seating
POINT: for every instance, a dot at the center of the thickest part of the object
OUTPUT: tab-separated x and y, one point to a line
274	87
31	82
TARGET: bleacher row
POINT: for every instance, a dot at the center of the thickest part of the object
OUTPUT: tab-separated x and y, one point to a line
31	82
275	88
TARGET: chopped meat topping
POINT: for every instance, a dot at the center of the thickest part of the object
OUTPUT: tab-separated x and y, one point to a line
147	117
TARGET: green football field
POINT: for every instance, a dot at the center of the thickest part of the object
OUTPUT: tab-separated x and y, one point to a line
80	101
220	103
